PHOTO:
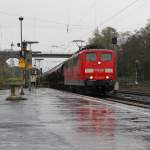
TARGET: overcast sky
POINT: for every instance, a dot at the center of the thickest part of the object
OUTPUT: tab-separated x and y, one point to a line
46	20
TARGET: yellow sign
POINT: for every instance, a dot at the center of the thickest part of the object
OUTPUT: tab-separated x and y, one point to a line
30	66
21	64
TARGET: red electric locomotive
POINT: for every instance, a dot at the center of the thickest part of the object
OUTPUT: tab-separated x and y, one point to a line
88	69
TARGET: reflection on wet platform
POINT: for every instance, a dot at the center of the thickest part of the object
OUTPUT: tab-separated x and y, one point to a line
56	120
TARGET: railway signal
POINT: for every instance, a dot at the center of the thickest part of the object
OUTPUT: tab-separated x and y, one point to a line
25	63
114	42
21	63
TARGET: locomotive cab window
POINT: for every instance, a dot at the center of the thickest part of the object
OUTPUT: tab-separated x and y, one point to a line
106	57
90	57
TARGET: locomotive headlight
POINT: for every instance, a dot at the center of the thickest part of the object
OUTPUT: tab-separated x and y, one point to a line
107	77
91	77
99	62
108	70
89	70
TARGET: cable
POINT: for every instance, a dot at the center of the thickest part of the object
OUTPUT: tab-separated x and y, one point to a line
117	13
41	20
142	5
120	11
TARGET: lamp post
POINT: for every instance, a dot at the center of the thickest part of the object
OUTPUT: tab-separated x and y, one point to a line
21	19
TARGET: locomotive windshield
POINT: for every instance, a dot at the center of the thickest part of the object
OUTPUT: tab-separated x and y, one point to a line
90	57
106	57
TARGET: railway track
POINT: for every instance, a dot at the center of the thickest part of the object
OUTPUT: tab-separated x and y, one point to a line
140	99
135	93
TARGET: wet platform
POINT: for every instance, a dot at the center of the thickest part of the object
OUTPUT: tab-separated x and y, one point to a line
56	120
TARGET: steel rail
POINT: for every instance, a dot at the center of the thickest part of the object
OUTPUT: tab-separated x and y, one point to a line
135	93
130	100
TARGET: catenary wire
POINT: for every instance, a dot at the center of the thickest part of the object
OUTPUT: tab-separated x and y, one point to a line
115	14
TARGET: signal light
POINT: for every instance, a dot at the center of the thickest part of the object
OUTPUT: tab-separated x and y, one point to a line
114	40
24	45
18	44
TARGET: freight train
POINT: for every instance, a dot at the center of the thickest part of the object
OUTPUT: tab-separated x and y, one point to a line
87	70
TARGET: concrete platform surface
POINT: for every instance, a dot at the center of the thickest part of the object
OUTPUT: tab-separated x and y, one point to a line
56	120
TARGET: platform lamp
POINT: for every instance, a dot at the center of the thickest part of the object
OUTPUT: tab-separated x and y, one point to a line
21	19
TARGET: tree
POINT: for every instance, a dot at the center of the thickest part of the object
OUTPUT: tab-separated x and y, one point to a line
103	39
96	40
137	47
134	45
